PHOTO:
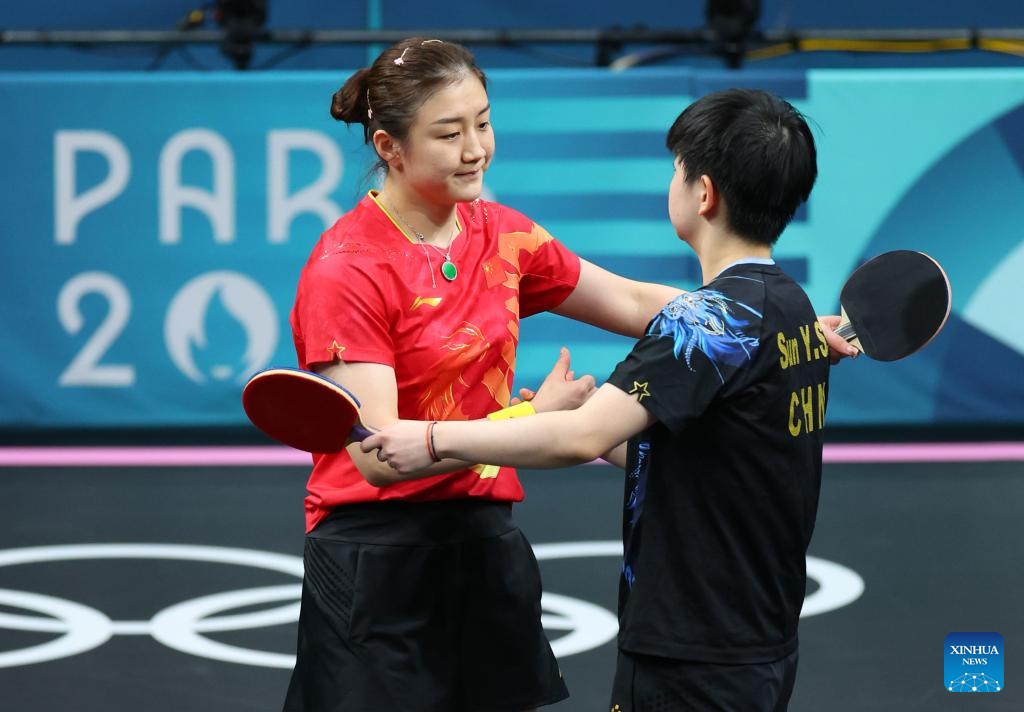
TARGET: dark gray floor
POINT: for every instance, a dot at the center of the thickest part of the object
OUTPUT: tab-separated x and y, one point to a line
938	546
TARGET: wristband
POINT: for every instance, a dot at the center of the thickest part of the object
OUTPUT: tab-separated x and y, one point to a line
430	441
518	410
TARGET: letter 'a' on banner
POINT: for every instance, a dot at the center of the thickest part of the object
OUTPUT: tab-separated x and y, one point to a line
973	662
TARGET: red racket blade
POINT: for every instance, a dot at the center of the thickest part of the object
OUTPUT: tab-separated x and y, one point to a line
894	304
303	409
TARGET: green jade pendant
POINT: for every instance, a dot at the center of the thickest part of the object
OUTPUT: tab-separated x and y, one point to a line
449	271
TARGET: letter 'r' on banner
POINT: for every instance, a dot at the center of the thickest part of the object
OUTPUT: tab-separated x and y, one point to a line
973	662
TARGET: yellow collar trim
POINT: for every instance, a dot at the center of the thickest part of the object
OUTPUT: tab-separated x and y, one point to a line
373	196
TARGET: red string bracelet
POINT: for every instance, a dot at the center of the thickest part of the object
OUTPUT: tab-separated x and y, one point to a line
430	441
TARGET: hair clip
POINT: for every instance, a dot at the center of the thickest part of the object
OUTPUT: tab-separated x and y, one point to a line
429	41
369	111
401	60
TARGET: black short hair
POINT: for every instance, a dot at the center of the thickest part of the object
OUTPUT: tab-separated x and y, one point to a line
758	151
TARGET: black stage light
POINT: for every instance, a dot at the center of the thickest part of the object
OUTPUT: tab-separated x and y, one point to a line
242	21
731	23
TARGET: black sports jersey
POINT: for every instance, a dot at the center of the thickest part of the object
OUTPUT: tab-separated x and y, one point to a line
722	492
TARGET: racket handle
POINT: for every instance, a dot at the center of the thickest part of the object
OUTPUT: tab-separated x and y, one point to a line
846	331
358	434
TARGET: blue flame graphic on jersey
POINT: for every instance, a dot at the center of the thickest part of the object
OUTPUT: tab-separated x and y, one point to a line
636	480
704	320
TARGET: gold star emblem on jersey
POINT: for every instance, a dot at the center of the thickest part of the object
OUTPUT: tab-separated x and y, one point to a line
640	390
335	349
429	301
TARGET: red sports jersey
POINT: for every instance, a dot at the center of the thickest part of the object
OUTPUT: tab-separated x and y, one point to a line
367	294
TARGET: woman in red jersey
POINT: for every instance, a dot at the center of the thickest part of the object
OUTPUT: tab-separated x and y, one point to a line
421	594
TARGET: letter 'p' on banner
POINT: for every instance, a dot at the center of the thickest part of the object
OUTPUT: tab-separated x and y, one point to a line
973	662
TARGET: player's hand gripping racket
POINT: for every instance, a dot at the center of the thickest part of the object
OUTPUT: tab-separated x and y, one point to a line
303	409
894	304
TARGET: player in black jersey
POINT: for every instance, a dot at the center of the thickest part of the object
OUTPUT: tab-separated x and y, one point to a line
717	417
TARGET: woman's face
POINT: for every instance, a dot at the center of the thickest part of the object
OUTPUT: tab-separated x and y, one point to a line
450	144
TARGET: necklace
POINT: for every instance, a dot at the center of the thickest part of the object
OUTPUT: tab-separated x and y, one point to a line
448	269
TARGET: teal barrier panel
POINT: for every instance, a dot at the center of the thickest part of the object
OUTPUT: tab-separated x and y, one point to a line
154	225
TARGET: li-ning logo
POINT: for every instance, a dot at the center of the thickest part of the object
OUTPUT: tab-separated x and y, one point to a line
973	662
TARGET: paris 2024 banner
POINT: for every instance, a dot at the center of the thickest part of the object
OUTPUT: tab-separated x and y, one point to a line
155	225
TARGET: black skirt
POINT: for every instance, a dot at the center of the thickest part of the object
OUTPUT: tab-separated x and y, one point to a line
421	607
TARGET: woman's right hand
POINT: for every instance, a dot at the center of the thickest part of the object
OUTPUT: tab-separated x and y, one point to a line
561	390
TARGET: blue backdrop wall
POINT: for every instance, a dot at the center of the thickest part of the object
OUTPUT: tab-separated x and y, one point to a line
154	224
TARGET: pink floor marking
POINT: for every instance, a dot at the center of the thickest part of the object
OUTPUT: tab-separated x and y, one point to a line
149	456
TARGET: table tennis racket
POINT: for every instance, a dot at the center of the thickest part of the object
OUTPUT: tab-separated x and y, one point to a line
894	304
303	409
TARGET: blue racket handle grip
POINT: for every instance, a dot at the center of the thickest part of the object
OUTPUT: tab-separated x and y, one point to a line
359	433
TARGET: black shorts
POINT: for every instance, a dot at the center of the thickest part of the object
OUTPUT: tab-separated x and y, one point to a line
646	683
421	607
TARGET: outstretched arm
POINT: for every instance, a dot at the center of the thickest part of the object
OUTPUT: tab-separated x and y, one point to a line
614	303
545	440
625	306
375	385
